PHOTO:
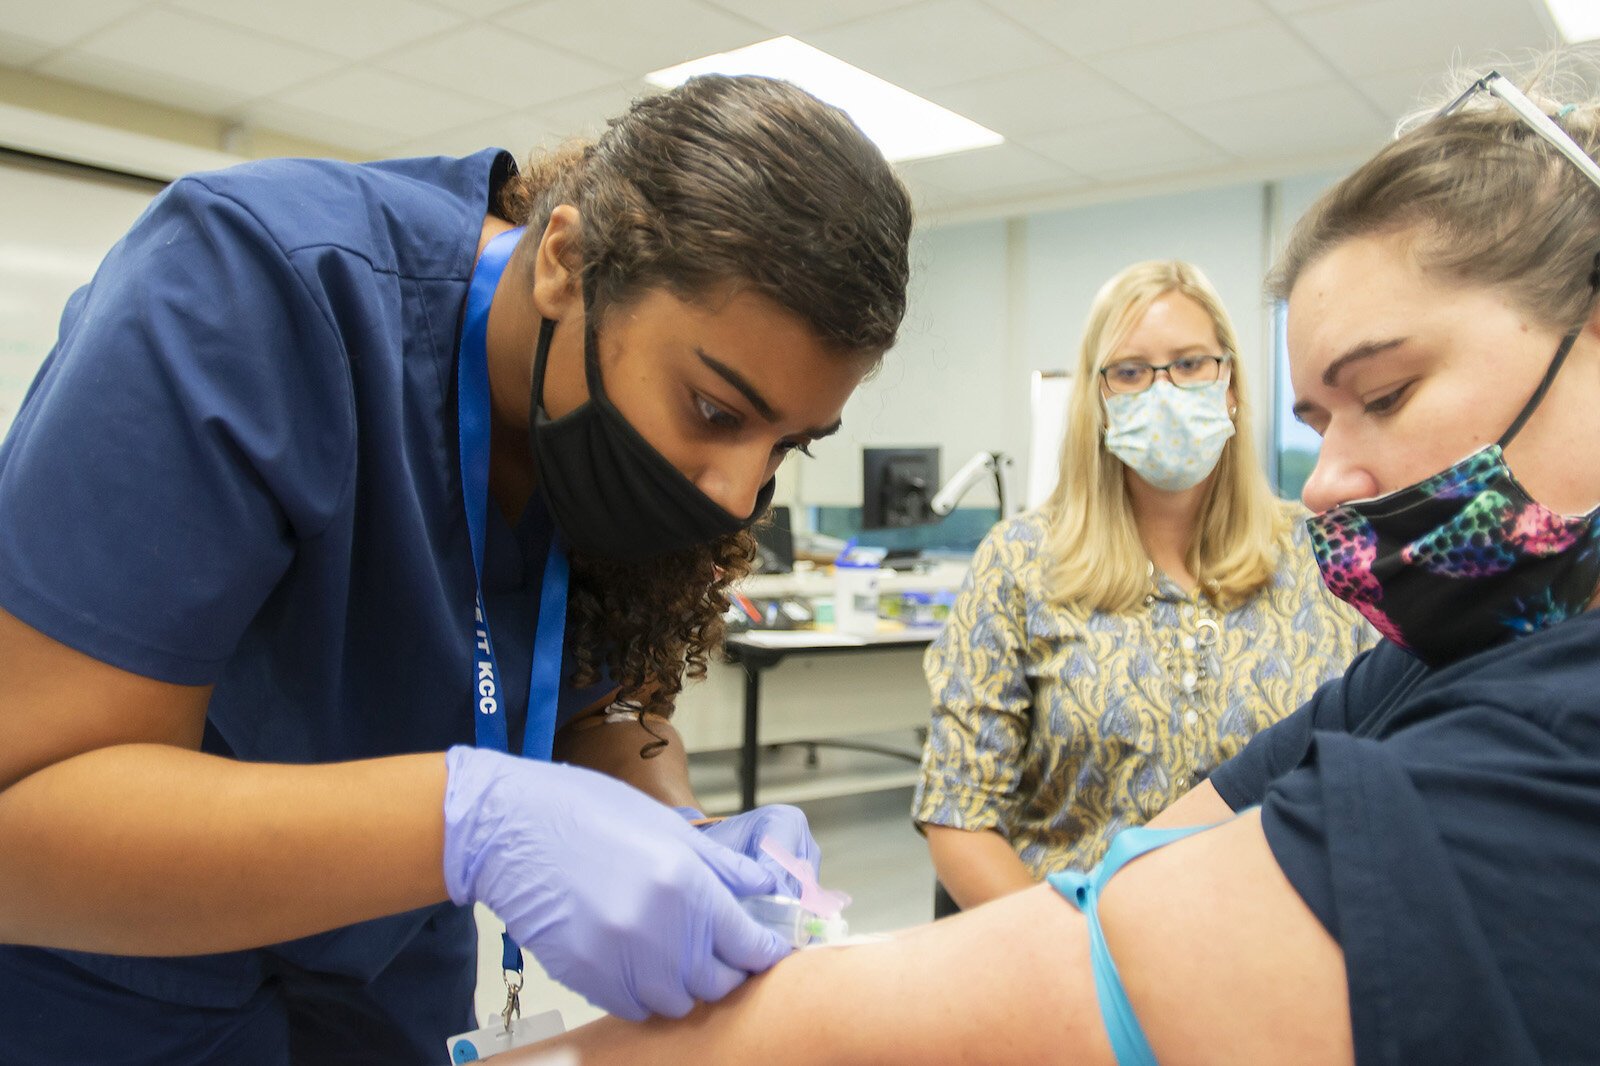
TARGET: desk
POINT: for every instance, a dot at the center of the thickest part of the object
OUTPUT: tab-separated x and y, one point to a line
760	650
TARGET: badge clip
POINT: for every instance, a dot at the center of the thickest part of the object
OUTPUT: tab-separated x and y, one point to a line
502	1035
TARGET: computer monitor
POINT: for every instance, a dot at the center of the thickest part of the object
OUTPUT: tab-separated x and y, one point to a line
775	542
897	485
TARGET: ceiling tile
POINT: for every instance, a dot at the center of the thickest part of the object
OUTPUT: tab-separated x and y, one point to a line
480	9
1401	93
586	115
929	201
519	134
1133	147
355	29
1229	64
372	99
1383	35
1083	90
917	182
1040	99
1293	7
1089	27
1316	120
58	24
636	36
935	44
806	16
20	51
168	46
986	171
362	138
493	63
141	82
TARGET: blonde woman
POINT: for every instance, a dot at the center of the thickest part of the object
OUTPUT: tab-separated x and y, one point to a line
1114	646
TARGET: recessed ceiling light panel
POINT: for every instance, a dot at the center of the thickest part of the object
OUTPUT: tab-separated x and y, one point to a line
1578	20
901	123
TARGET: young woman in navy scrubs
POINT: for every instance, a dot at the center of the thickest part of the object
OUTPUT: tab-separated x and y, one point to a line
339	479
1407	869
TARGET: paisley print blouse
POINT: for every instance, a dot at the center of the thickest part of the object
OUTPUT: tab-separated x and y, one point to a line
1058	726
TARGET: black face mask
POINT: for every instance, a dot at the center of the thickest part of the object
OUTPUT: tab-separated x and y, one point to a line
1464	559
610	492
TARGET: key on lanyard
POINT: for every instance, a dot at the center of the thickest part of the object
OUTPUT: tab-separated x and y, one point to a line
513	1009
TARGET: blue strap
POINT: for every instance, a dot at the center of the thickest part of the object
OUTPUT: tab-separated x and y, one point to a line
1128	1042
544	674
510	954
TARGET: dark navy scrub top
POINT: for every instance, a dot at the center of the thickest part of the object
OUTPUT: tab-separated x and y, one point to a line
238	467
1444	826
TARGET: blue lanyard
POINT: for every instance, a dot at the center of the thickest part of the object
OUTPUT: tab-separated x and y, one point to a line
544	674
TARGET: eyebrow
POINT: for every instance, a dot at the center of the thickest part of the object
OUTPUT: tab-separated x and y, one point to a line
758	401
1197	348
1330	375
737	380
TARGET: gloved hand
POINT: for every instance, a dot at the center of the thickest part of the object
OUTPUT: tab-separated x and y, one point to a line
618	898
784	824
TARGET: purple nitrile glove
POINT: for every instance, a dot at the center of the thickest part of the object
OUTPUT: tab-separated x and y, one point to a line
744	832
618	897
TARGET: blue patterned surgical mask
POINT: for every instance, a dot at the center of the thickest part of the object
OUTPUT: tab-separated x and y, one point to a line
1169	436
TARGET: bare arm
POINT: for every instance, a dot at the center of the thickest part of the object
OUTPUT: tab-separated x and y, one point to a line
119	836
1201	805
976	866
1223	964
915	999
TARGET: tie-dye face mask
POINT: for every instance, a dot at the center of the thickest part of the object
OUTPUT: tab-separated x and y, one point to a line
1463	560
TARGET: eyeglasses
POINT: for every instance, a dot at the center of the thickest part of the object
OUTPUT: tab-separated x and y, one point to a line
1190	372
1532	115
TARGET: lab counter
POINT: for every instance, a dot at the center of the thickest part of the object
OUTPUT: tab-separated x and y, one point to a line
873	689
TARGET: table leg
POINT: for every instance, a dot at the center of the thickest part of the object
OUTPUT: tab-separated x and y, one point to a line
750	747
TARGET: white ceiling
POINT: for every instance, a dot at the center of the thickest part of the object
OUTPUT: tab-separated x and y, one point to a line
1094	97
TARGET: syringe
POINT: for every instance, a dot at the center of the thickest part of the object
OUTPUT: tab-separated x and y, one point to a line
785	916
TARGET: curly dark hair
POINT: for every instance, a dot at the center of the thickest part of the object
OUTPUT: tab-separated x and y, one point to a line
744	182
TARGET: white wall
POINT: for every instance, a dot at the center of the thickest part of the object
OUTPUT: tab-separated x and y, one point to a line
54	229
947	381
990	302
1295	197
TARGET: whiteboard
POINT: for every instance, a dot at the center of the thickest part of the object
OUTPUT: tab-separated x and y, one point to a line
55	227
1047	403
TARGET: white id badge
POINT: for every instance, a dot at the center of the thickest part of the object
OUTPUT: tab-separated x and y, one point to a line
493	1039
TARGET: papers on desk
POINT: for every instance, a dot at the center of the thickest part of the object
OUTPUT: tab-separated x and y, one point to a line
800	638
811	638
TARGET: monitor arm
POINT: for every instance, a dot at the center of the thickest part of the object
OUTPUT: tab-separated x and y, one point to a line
974	470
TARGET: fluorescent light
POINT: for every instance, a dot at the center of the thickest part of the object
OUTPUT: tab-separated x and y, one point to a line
1578	20
902	124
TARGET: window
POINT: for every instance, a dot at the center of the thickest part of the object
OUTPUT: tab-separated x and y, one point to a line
1295	445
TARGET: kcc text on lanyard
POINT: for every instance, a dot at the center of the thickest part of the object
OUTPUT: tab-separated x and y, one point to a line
544	675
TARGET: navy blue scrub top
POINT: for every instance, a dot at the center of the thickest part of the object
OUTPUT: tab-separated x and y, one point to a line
1444	826
238	467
